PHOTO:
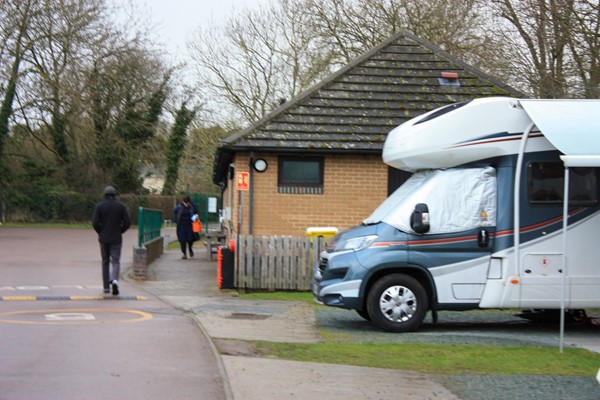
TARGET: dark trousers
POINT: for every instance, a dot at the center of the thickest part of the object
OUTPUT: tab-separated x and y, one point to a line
111	254
185	245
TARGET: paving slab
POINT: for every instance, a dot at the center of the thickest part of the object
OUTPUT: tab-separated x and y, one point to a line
281	379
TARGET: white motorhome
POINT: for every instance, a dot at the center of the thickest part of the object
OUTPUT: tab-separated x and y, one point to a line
481	222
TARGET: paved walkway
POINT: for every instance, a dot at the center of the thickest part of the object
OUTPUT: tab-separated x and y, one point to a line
190	285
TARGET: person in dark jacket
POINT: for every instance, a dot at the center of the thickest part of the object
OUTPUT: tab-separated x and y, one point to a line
110	220
182	215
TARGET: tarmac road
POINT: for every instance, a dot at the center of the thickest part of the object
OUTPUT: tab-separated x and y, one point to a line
62	338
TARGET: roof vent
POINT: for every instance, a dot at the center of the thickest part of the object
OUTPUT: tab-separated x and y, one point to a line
449	79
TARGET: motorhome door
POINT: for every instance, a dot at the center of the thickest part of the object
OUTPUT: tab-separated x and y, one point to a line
540	263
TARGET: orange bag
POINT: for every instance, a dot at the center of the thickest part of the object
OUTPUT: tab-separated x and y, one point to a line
197	226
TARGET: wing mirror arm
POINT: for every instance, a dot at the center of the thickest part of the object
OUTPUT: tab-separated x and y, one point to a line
483	238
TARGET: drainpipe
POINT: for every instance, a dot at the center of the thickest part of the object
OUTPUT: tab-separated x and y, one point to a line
251	195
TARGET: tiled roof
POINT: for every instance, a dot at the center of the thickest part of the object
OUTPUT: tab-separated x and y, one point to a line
354	108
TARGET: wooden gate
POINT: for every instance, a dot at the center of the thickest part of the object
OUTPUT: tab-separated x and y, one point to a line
276	262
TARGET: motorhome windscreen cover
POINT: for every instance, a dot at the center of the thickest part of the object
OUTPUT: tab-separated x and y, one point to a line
459	199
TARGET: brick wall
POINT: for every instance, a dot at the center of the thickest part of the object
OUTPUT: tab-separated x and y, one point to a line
144	256
353	187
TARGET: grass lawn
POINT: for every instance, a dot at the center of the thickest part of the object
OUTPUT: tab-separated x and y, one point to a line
442	358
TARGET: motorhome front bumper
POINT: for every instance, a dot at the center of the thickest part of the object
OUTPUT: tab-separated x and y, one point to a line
343	294
337	280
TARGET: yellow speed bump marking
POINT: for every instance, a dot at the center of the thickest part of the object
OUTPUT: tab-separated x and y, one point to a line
19	298
12	317
58	298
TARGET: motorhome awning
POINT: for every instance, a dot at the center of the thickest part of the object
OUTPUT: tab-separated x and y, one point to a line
572	126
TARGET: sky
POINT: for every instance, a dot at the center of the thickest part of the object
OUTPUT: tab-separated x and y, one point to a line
177	19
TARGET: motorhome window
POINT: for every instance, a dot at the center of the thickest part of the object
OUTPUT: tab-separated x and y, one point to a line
442	111
546	183
300	175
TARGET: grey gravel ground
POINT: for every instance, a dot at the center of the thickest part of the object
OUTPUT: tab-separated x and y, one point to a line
492	327
522	387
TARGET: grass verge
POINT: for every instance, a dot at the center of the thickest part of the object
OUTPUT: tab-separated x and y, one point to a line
443	359
306	297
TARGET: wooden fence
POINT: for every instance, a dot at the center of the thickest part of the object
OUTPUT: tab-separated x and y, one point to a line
276	262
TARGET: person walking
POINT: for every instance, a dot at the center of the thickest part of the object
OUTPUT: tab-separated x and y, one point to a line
182	216
110	220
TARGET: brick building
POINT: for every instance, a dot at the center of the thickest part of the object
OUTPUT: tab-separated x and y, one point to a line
316	160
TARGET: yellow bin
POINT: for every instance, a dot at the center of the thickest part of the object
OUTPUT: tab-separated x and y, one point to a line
325	232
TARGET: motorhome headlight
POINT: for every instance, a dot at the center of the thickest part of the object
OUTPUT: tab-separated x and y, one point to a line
357	243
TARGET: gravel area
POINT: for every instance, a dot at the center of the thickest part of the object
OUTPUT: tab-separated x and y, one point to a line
490	327
522	387
486	327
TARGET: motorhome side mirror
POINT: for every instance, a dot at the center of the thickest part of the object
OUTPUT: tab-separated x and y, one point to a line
419	219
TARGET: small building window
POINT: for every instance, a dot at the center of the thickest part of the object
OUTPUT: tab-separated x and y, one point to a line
546	184
300	175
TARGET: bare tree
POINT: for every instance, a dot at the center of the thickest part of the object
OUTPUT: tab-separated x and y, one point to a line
554	45
301	53
583	37
16	19
237	62
542	40
259	58
459	27
347	28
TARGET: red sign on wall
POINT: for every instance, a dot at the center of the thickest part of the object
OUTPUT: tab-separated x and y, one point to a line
243	180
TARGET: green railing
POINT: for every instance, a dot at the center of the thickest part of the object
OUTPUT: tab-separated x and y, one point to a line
149	224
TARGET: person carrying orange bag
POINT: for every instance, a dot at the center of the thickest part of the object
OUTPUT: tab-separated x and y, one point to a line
196	224
184	215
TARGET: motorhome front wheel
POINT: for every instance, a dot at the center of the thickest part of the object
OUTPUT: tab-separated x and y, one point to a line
397	303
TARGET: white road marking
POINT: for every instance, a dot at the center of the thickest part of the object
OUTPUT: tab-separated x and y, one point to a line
70	317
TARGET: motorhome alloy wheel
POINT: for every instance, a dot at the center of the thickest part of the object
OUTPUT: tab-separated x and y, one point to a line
397	303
